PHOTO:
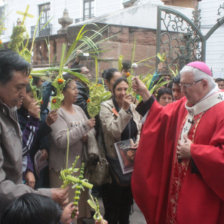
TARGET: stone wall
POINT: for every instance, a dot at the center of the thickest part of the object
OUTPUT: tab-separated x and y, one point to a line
41	53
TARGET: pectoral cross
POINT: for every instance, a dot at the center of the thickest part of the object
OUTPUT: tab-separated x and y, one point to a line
220	97
185	129
25	14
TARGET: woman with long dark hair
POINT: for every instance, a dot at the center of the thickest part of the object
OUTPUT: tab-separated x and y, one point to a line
119	122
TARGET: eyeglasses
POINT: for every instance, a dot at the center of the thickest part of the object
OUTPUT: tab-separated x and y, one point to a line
187	85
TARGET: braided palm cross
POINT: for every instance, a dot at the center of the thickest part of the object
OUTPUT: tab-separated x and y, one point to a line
25	14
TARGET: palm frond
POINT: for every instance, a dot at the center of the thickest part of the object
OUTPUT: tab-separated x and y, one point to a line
133	52
73	46
77	74
35	31
62	58
96	68
120	60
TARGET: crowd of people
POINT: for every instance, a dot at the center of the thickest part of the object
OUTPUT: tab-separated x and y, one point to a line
177	138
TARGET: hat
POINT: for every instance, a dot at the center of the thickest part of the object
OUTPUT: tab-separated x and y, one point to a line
200	66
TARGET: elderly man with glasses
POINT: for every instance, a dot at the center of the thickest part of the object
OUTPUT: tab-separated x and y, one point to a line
179	165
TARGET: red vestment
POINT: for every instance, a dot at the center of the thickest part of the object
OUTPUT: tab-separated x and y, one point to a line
170	192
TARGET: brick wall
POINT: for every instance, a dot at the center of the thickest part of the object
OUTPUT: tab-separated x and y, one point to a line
122	43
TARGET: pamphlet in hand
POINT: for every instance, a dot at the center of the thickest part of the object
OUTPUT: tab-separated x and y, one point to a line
126	153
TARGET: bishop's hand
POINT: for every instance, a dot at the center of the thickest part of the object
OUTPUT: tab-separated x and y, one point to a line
140	88
184	148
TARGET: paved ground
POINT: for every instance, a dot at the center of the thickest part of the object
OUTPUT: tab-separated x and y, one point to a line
136	216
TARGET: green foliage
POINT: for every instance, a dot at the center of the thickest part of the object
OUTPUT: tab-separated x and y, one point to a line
17	38
69	177
85	43
161	57
175	71
56	101
2	27
59	83
120	60
130	90
148	81
97	95
69	172
94	204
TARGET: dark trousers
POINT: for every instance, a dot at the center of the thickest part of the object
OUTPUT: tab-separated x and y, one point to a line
117	202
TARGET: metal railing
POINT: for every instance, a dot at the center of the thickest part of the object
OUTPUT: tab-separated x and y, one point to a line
47	31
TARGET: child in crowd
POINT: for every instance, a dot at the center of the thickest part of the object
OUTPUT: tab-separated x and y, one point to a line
164	96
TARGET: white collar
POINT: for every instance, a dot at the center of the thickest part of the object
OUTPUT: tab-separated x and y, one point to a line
212	98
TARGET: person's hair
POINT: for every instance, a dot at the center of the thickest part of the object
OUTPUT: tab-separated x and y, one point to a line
126	65
109	73
69	76
36	80
176	79
122	79
219	79
11	61
163	91
199	75
68	80
32	208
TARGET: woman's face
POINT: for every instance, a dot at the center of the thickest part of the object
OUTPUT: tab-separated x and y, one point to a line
116	76
165	99
120	91
71	92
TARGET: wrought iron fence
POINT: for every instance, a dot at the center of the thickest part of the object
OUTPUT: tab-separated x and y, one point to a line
180	38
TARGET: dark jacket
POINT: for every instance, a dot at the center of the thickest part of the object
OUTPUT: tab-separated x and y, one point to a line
83	96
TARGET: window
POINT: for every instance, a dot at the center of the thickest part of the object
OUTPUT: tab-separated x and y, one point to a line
44	11
88	9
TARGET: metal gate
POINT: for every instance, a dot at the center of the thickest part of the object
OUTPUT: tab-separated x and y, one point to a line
180	38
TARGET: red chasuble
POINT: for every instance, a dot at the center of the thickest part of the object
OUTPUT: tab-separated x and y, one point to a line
188	191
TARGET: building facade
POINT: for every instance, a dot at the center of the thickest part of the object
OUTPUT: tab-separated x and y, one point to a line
51	11
211	12
129	18
79	10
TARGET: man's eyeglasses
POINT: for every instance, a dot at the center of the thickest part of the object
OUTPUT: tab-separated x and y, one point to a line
186	85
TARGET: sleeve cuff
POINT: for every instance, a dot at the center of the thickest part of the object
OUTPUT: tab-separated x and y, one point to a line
143	107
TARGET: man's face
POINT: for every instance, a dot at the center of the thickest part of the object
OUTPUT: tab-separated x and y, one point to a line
176	91
85	71
13	91
194	90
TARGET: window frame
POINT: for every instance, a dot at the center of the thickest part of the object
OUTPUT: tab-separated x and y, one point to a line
45	15
89	9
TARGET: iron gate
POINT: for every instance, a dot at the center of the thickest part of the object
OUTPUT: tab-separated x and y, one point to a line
180	38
